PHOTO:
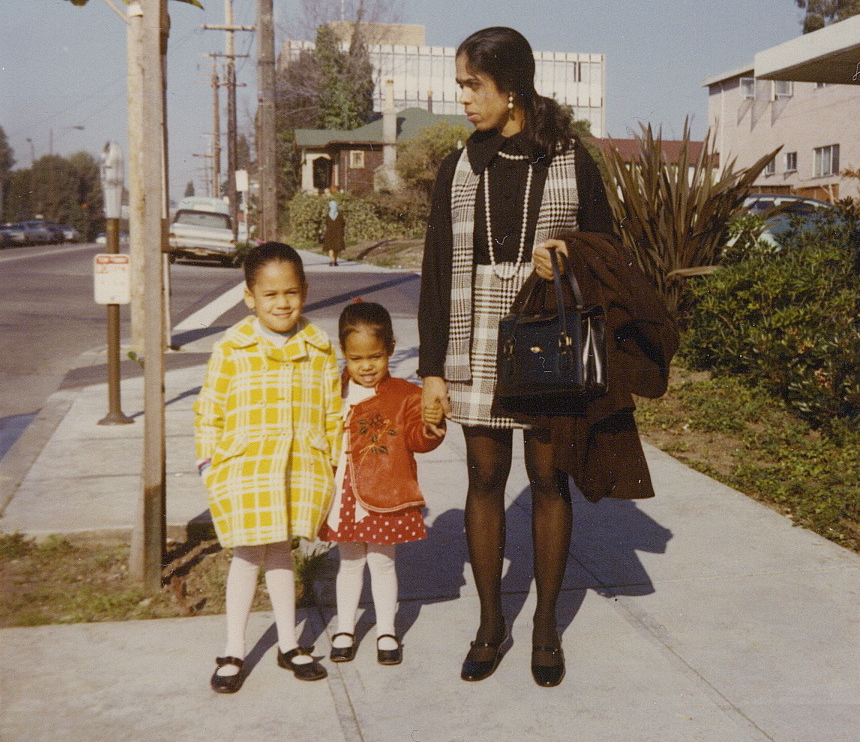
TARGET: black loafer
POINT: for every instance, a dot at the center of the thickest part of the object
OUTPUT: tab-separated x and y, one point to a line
312	670
389	656
551	674
228	683
475	669
343	654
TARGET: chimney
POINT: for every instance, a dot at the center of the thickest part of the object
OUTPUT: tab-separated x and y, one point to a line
389	127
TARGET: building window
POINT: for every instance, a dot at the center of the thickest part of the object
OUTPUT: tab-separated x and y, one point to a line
770	168
826	160
790	162
747	87
356	159
782	89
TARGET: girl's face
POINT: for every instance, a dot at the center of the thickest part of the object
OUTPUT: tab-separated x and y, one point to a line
366	357
486	106
277	297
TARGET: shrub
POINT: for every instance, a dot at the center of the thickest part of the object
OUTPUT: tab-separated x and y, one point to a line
673	215
371	217
788	322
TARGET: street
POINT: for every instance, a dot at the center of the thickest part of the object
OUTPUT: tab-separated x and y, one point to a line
49	318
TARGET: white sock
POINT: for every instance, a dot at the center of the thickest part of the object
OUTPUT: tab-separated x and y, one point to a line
350	579
383	585
241	586
281	584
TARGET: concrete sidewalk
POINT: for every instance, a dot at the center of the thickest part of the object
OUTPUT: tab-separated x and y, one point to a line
698	615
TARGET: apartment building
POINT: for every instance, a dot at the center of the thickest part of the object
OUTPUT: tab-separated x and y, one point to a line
802	96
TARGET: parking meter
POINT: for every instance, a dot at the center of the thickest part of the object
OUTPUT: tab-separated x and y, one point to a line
113	178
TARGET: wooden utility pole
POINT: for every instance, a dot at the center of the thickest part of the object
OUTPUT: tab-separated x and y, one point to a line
136	191
230	74
216	132
148	535
266	149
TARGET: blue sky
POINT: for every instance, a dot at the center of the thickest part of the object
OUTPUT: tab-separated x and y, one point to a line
64	67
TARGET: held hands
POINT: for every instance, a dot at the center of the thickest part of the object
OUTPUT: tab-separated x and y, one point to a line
435	406
541	258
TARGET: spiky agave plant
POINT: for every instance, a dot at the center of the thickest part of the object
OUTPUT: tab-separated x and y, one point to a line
673	216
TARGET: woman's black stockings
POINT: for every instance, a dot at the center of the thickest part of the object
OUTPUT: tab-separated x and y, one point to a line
488	455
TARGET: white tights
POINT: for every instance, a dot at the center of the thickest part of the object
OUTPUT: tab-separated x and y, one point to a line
383	586
277	561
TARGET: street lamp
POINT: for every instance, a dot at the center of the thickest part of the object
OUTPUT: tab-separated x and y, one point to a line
51	136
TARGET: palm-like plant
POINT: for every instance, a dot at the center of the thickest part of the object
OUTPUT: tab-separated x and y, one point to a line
673	215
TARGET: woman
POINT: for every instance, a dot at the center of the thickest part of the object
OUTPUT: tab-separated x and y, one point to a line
520	181
335	229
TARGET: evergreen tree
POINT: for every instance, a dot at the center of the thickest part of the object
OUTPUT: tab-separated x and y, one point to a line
820	13
345	80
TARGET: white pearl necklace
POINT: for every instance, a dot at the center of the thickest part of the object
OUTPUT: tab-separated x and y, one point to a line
508	274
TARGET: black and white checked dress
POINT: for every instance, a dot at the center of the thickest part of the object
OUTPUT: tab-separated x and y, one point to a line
480	297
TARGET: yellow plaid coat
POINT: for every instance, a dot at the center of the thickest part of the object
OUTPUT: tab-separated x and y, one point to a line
269	418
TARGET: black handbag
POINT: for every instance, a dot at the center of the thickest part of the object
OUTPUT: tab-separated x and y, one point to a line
550	358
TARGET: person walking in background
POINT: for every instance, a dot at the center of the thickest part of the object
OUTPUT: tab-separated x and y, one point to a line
521	179
268	430
334	238
377	502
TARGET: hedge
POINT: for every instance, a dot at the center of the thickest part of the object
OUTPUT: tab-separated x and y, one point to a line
788	322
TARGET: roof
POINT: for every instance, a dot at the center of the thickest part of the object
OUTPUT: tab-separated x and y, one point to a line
831	54
410	121
745	71
629	148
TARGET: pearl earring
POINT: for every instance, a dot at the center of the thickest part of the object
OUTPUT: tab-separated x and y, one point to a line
510	101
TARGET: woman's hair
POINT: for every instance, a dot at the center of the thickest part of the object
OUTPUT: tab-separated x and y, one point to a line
504	55
370	315
268	252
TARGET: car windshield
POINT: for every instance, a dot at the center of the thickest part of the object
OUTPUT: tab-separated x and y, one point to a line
203	219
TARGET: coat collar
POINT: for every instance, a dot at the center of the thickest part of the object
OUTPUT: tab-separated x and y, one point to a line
244	335
483	146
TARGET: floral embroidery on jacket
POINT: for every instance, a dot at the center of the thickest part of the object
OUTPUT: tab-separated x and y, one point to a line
376	428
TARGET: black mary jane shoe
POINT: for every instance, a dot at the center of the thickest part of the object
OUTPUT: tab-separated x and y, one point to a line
389	656
548	676
475	669
343	654
312	670
228	683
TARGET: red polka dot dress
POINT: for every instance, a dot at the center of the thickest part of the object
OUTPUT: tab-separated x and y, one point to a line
357	525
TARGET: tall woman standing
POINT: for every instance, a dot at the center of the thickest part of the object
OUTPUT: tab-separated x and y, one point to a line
520	181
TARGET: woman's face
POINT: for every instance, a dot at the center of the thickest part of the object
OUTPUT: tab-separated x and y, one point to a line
486	106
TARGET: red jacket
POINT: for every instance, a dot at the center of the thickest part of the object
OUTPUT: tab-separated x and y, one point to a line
385	431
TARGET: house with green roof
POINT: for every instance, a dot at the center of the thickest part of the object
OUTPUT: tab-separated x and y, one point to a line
362	159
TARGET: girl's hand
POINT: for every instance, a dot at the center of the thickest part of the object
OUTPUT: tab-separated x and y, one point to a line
435	405
542	261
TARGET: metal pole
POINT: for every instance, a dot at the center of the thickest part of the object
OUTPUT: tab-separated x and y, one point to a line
115	414
147	544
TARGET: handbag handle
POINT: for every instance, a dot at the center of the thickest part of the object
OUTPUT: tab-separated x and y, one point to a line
567	338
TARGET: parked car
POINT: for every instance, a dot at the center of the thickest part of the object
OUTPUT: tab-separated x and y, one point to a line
759	203
70	234
12	235
783	213
202	229
41	232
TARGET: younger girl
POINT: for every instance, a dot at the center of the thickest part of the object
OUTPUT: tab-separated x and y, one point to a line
268	430
377	502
